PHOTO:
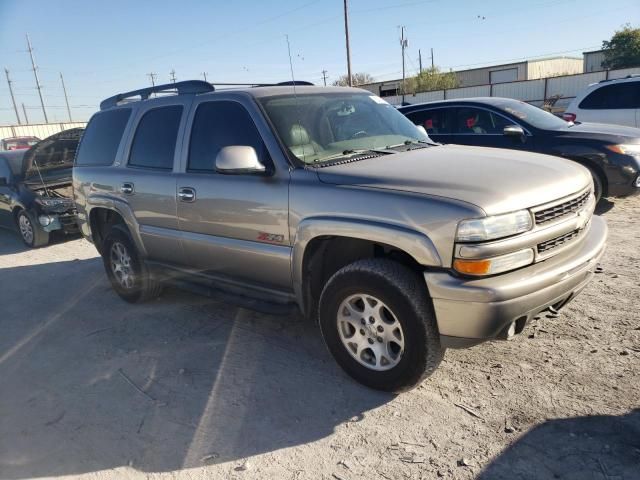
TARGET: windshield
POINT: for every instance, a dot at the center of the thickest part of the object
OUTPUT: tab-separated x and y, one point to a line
322	127
533	115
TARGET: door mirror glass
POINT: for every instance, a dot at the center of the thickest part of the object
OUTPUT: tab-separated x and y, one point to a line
237	159
513	131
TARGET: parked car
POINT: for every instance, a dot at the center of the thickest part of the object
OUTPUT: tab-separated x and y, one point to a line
614	101
610	152
331	200
36	196
17	143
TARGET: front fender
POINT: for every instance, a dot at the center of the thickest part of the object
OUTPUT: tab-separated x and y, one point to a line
415	244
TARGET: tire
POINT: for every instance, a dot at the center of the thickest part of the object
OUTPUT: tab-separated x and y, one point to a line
30	231
128	274
404	300
597	184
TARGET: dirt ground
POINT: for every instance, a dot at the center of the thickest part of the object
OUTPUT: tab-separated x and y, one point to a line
188	387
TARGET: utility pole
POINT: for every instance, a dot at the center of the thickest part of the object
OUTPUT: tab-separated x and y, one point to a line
152	76
172	75
432	64
324	77
35	74
346	36
24	110
64	89
13	100
403	44
204	74
420	59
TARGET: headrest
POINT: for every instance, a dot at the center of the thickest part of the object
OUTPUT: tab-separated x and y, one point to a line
298	135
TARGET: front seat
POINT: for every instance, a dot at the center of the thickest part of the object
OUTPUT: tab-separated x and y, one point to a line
299	142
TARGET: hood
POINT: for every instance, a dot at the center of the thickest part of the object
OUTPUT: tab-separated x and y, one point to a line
601	131
496	180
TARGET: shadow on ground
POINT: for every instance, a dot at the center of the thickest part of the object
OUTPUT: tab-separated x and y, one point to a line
11	242
90	382
581	448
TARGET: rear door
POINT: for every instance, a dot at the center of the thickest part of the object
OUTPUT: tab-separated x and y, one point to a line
616	103
233	226
436	121
147	183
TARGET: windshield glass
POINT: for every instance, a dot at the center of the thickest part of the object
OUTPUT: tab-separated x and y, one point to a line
533	115
321	127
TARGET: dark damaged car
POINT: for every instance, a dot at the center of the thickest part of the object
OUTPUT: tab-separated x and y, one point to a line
36	196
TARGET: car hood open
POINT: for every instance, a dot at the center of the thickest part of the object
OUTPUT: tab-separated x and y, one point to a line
496	180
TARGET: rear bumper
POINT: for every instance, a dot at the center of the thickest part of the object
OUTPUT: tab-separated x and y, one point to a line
469	311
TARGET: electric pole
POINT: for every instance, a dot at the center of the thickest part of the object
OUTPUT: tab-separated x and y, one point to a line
204	74
35	74
64	89
346	36
324	77
172	75
432	64
24	110
13	100
403	44
152	76
420	59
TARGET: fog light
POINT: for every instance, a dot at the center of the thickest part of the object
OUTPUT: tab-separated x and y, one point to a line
45	220
491	266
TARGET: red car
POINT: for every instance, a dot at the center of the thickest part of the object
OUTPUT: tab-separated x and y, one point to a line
18	143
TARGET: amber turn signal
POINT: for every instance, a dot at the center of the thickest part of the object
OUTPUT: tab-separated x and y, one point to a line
472	267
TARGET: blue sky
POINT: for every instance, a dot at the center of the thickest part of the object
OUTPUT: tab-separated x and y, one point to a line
104	47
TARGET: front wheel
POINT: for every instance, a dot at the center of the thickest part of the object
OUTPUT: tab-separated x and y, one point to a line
32	235
378	323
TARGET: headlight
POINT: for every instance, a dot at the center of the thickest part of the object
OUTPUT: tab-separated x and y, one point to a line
491	266
490	228
625	149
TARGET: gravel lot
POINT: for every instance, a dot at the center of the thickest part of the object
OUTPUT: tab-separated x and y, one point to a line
189	387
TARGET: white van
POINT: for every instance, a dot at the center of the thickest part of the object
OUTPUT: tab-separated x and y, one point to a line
610	101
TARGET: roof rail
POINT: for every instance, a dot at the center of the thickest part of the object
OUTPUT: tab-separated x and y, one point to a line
188	86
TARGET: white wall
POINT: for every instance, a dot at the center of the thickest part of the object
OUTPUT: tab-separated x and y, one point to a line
41	130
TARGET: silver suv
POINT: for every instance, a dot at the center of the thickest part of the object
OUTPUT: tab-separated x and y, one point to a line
331	200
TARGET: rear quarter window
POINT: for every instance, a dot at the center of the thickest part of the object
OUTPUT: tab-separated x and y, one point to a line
102	137
618	96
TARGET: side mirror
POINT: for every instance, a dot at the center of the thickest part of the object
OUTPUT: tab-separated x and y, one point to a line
238	159
513	131
3	181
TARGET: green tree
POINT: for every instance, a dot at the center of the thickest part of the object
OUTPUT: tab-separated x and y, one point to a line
361	78
431	79
623	50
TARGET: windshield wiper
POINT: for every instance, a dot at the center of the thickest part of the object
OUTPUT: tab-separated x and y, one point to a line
350	153
407	143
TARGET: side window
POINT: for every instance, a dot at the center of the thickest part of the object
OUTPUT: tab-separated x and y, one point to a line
102	137
154	143
435	122
618	96
217	125
5	171
478	121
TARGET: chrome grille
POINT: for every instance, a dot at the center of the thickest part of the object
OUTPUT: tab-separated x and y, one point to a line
556	242
556	211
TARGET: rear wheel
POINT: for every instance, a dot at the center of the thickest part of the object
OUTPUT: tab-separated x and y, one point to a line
378	323
32	234
129	276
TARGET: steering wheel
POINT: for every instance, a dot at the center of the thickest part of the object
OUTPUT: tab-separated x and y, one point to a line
361	133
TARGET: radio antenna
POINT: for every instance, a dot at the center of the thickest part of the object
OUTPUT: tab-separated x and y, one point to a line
293	80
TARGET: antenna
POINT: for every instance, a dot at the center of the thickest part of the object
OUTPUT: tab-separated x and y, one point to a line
293	80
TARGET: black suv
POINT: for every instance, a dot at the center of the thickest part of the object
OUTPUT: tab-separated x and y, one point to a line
36	196
610	152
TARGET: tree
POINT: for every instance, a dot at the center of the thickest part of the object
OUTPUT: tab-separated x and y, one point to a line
623	50
431	79
358	79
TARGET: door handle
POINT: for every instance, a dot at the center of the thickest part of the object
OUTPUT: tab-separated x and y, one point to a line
187	194
127	188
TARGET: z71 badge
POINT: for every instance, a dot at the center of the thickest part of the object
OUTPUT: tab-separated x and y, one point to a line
270	237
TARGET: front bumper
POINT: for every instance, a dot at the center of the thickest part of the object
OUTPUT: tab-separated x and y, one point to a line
67	222
469	311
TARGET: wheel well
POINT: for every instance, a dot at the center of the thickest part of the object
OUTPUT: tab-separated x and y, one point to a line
324	256
100	221
15	212
597	169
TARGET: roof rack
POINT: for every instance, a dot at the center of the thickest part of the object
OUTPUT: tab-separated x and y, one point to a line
633	75
188	86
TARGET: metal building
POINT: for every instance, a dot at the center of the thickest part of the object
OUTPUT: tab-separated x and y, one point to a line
592	61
